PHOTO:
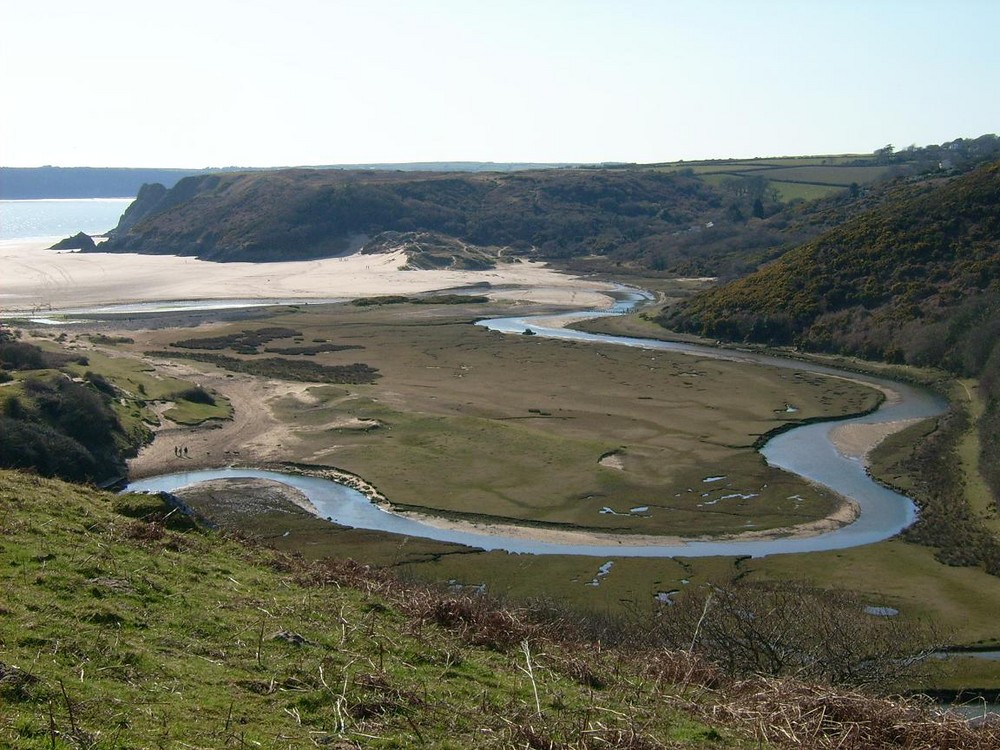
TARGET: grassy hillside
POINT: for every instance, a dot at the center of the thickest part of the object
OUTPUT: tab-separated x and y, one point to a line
916	279
908	281
75	413
123	625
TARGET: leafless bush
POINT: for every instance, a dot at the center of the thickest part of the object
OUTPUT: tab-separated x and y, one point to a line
794	629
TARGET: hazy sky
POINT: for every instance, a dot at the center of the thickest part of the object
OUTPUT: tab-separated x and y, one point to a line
292	82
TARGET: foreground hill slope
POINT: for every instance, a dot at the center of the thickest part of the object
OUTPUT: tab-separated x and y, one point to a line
122	624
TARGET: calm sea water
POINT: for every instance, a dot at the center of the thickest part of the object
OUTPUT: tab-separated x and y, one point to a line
59	218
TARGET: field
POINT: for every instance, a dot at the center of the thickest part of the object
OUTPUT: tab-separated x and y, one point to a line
461	420
793	178
468	424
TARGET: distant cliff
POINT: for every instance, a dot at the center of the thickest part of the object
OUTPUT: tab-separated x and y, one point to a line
81	182
304	213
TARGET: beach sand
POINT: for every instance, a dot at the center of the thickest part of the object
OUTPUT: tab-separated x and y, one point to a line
845	513
36	278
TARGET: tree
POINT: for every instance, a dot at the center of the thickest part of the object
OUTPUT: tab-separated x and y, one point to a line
884	155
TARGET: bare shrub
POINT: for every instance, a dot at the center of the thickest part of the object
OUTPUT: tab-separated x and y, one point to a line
795	629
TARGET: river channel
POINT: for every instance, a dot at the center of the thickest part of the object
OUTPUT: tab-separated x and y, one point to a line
806	451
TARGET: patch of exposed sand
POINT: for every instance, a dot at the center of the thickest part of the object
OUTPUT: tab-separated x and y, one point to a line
858	440
846	513
253	436
612	461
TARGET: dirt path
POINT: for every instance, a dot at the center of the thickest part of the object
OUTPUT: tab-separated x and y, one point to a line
252	436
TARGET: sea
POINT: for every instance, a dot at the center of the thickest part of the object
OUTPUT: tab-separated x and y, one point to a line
59	217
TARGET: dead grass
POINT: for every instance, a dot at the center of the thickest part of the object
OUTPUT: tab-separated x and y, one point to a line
786	713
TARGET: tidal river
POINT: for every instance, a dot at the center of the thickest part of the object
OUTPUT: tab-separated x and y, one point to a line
806	451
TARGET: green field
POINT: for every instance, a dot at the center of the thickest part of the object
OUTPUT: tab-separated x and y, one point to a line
472	423
793	178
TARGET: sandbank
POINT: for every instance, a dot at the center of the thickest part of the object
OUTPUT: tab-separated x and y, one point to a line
858	440
36	278
845	513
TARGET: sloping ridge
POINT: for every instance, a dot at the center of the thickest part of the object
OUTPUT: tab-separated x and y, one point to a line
306	213
916	279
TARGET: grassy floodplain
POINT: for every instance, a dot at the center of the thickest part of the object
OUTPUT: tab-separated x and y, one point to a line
469	423
477	424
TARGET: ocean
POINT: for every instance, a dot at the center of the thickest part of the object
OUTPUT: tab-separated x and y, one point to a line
59	217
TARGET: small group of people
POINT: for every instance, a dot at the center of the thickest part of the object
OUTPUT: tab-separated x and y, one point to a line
181	452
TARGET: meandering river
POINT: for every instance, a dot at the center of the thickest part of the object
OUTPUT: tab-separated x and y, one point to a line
806	451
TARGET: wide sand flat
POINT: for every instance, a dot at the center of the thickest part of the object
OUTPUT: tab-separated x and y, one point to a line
36	278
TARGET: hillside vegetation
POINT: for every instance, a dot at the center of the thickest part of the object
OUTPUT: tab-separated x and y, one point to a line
53	423
310	213
60	418
125	625
915	279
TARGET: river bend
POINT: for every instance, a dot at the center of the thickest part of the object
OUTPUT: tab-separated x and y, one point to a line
806	451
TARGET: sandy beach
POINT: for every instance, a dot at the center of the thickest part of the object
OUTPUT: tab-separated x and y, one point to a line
36	278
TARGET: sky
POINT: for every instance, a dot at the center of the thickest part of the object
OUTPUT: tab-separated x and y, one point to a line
255	83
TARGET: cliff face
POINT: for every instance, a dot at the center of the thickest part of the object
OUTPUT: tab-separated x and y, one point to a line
298	214
149	197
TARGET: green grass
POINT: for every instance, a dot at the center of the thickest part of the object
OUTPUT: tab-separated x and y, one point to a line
790	191
434	433
842	176
122	628
473	422
123	625
191	413
977	492
143	385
